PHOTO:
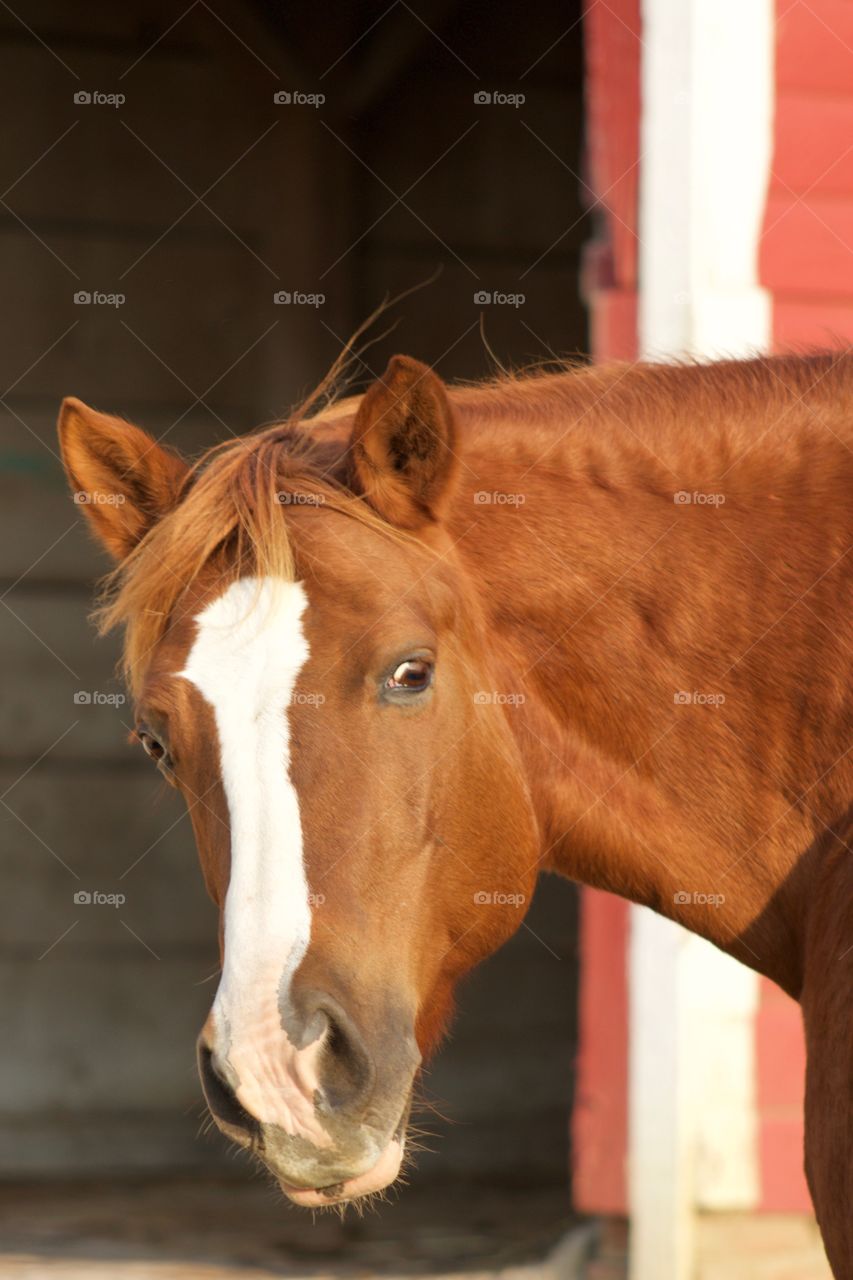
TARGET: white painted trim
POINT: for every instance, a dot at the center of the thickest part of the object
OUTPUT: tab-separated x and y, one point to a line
718	1007
706	140
706	144
659	1156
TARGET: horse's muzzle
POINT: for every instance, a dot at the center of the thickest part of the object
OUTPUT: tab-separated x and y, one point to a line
381	1175
354	1143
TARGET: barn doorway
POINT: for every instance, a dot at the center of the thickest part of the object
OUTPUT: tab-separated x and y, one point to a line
186	167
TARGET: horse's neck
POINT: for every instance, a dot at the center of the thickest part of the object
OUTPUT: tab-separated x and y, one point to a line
680	716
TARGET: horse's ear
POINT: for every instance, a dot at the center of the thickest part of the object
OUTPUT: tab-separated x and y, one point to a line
402	451
123	480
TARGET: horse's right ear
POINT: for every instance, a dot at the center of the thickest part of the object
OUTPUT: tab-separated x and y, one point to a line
402	457
123	480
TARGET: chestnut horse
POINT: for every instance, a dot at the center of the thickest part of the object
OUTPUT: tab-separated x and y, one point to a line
403	654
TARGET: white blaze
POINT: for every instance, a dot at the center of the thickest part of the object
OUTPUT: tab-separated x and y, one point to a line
245	661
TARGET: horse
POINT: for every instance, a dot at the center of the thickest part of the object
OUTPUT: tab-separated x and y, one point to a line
403	652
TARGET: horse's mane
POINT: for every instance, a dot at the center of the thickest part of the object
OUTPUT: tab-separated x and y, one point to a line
653	391
230	512
231	507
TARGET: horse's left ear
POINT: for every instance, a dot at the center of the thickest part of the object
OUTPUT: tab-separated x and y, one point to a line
402	451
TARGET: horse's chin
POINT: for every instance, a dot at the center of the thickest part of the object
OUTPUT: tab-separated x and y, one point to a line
380	1176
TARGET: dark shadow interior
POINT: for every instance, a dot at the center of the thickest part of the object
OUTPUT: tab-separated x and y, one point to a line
193	257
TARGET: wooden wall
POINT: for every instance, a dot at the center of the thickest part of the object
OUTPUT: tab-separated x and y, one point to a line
600	1117
806	262
807	240
102	1004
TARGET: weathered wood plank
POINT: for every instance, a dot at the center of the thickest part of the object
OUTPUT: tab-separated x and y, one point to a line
95	831
91	1032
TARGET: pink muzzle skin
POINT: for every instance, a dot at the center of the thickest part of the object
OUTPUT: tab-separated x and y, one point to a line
381	1175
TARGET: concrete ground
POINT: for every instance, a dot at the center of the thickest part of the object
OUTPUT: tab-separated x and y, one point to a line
205	1230
197	1229
752	1246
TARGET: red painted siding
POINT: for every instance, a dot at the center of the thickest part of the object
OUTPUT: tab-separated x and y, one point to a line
807	249
805	322
806	256
808	157
600	1121
600	1124
806	260
780	1060
612	44
813	46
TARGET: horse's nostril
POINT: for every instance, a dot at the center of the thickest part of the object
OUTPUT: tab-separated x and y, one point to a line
347	1073
232	1117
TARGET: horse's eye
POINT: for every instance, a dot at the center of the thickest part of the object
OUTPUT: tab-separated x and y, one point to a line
151	746
413	676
